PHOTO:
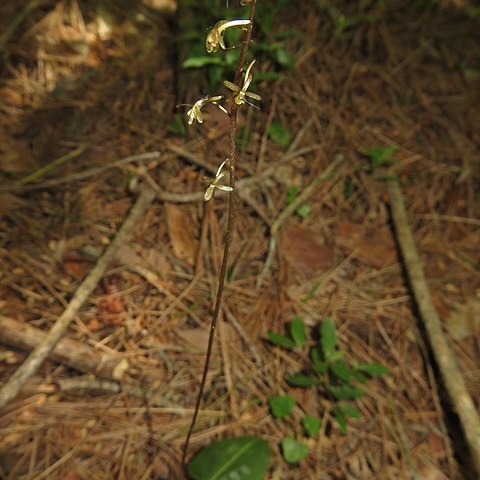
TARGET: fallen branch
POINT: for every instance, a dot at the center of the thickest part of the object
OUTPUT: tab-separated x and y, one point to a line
445	358
11	388
68	352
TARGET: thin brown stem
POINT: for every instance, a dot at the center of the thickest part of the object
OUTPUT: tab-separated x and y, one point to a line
230	226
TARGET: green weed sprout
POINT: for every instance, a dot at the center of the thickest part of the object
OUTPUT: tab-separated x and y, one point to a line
328	372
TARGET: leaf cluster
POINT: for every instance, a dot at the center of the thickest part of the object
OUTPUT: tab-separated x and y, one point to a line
269	43
328	372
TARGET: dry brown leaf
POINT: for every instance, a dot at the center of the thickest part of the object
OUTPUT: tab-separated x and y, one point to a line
303	251
375	247
180	230
198	337
158	261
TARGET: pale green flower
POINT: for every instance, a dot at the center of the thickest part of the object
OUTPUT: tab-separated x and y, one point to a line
213	183
215	36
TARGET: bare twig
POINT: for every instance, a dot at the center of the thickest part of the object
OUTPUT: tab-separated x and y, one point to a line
69	352
11	388
445	358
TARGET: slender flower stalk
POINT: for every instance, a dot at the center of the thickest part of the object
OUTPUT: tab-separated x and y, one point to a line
213	41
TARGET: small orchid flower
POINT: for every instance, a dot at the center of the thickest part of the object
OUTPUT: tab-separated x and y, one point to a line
241	92
215	36
195	113
213	183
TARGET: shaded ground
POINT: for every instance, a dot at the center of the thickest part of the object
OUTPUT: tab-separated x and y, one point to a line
78	80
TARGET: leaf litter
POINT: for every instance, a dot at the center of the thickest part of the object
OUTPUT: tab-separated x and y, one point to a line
75	81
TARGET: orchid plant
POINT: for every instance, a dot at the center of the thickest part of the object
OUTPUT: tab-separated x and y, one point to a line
240	93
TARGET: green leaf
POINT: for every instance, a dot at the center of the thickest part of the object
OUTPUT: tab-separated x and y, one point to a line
349	410
242	458
341	371
318	365
379	156
359	376
268	76
292	194
373	368
279	134
303	211
281	340
292	451
198	62
328	337
311	425
284	58
345	392
341	421
282	405
298	331
178	125
299	380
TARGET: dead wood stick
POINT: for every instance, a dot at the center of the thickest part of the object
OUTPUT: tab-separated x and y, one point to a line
11	388
445	358
68	352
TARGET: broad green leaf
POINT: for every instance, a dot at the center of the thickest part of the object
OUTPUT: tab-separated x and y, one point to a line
311	425
373	368
341	421
328	338
341	371
299	380
242	458
292	451
281	340
281	406
303	211
345	392
198	62
349	410
279	134
298	331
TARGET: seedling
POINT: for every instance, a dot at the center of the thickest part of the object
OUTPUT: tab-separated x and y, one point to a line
379	156
329	373
303	211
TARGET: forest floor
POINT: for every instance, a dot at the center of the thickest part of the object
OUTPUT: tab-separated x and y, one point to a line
86	84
